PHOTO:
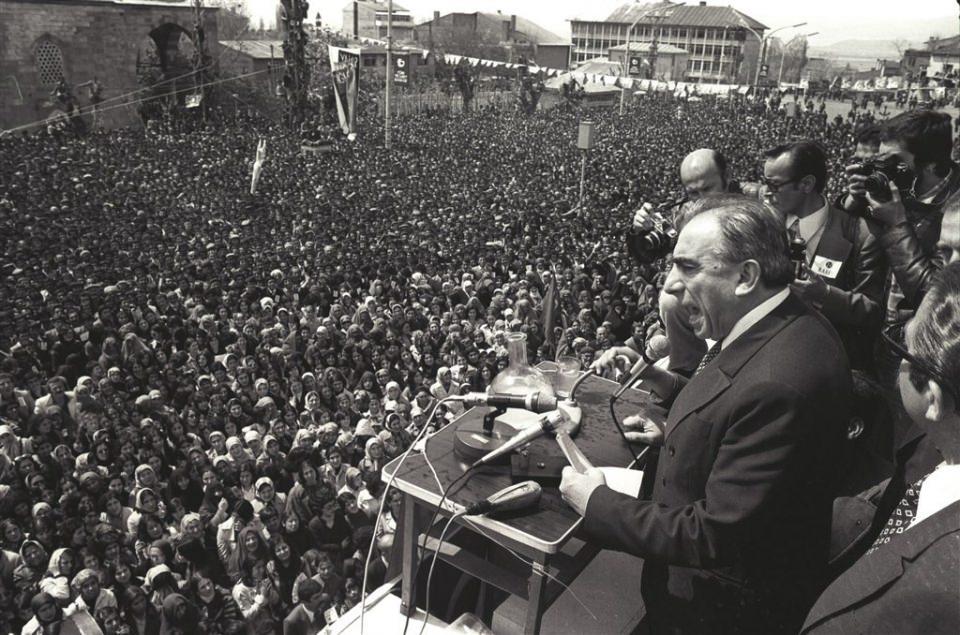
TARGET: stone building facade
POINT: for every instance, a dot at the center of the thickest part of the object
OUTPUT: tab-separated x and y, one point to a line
110	41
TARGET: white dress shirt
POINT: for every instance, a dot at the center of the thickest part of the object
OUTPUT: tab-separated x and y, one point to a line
753	316
940	489
811	228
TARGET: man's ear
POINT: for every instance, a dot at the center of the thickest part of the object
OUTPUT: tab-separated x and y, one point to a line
939	402
749	277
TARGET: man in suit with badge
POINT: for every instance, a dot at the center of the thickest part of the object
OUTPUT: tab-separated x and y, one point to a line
735	537
845	268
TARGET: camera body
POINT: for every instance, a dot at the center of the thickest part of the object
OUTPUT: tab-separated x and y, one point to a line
880	172
649	244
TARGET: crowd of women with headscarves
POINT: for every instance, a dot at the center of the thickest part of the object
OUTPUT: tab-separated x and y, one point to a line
188	370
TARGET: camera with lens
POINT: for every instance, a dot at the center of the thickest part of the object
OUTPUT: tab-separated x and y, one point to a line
880	172
653	241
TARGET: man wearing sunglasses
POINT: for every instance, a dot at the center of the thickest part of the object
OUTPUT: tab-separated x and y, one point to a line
844	268
908	581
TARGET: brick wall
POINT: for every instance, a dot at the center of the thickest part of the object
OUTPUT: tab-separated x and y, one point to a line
96	38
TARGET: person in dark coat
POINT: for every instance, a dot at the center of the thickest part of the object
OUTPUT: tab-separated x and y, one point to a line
736	536
907	581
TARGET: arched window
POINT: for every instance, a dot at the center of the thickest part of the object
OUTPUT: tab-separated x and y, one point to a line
49	63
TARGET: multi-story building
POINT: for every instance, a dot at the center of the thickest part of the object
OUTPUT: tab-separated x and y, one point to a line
669	64
368	18
722	44
487	35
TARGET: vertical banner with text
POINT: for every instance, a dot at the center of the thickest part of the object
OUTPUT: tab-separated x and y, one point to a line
345	64
401	69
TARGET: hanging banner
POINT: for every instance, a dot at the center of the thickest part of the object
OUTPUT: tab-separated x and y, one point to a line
400	69
635	63
345	67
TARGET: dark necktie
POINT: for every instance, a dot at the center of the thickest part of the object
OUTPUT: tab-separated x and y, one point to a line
902	516
712	353
793	232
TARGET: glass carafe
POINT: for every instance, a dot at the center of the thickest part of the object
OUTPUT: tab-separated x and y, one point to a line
519	378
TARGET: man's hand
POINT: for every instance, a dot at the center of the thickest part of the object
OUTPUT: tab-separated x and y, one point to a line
641	429
642	217
855	182
576	488
889	213
812	288
607	362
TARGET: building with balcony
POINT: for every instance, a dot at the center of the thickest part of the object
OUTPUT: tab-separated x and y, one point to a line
367	18
722	44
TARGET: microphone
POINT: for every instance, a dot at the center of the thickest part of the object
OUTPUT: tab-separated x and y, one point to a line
538	402
656	349
525	494
548	423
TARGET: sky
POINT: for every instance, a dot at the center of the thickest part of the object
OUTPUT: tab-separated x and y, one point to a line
833	20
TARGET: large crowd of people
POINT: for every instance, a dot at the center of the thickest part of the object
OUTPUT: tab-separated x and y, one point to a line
189	369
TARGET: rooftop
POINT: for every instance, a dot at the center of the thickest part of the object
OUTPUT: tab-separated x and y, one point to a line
699	15
377	6
644	47
257	49
532	30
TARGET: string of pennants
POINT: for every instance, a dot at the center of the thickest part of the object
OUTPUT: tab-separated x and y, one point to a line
613	81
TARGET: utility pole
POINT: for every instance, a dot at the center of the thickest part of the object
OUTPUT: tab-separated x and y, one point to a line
660	12
199	56
386	102
296	76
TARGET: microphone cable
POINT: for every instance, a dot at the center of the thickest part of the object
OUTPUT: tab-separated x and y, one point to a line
376	526
426	534
433	563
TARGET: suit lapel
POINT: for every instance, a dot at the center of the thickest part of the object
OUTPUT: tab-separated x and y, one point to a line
833	247
873	572
717	377
701	390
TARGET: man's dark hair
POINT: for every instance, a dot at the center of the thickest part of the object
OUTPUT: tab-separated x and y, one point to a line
750	231
935	336
307	589
868	135
806	157
926	134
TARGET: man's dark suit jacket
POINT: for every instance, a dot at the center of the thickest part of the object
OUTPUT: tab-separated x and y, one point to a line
735	538
854	302
909	585
298	623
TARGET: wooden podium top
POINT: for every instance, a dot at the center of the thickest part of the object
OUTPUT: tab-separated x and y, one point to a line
553	522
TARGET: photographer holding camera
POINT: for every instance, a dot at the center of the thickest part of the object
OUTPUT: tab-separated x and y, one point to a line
703	172
901	192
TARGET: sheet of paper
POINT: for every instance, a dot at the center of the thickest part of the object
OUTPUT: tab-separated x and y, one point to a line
622	480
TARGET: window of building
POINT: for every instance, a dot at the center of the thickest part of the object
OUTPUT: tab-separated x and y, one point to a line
49	63
682	33
700	33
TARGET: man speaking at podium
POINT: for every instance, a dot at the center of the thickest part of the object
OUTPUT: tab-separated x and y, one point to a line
735	537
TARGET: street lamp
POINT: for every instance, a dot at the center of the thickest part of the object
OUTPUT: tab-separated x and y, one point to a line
763	41
783	53
657	12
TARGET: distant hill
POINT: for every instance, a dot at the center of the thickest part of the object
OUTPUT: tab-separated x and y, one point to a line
859	49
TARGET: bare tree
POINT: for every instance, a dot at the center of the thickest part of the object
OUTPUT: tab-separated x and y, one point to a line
233	19
901	46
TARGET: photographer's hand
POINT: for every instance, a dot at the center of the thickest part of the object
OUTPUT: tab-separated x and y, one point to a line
887	213
642	217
